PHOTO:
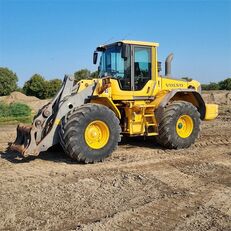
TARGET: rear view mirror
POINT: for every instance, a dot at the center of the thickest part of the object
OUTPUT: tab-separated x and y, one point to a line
95	57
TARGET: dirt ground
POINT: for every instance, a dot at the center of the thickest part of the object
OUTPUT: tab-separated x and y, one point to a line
34	103
140	187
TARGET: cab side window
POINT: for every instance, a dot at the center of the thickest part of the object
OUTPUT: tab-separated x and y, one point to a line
142	66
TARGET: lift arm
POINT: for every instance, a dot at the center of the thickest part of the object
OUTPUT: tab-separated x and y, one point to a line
43	133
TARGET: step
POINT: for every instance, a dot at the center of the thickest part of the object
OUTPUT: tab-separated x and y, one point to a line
148	115
152	133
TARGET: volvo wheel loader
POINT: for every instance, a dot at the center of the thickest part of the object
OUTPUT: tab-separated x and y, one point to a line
130	98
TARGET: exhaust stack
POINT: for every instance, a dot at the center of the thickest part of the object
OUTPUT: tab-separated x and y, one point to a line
168	62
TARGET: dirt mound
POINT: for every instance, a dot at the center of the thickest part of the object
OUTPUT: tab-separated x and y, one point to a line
31	101
219	97
20	96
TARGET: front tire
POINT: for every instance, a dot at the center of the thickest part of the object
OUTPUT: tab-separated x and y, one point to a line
179	125
90	133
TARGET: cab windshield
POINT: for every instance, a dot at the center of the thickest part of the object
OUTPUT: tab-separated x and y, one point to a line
112	64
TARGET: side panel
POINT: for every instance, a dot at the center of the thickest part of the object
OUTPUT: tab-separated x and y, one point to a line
117	93
148	91
171	84
179	84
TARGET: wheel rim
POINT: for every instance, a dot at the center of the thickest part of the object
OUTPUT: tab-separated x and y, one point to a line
97	134
184	126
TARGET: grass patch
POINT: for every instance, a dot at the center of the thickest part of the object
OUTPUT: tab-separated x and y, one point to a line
15	113
16	120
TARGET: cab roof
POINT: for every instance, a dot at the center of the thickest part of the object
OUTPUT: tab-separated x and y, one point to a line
132	42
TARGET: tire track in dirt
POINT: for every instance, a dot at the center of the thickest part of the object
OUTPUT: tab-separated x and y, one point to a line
212	197
137	188
141	168
162	215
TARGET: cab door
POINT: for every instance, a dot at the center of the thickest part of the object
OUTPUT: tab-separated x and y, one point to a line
142	81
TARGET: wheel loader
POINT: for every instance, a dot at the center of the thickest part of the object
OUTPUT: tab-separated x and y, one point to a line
129	98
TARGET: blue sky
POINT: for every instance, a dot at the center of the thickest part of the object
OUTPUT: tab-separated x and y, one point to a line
56	37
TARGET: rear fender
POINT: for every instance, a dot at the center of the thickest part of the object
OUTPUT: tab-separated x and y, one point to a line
188	95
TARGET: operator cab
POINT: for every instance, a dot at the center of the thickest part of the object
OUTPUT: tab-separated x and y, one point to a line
130	62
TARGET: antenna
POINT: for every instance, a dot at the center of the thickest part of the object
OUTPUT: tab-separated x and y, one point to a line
113	38
126	35
110	39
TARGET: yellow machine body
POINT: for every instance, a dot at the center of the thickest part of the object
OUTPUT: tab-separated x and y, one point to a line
130	83
136	108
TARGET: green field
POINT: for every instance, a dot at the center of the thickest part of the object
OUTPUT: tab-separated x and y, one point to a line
15	113
15	120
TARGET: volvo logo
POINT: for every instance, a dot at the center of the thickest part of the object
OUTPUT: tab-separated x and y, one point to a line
174	85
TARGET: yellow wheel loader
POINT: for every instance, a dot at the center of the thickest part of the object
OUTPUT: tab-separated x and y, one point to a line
130	98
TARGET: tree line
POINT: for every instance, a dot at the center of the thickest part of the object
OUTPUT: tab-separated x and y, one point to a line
38	86
222	85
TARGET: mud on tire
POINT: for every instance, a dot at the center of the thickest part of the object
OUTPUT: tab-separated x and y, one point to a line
74	125
168	136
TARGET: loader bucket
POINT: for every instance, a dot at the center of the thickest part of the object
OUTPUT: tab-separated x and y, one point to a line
25	141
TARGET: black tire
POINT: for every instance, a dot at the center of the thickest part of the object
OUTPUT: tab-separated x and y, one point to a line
73	128
168	136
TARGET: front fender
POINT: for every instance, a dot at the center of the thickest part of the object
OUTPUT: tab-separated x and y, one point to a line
106	102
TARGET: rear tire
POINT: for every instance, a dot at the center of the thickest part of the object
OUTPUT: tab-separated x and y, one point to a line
90	133
179	125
